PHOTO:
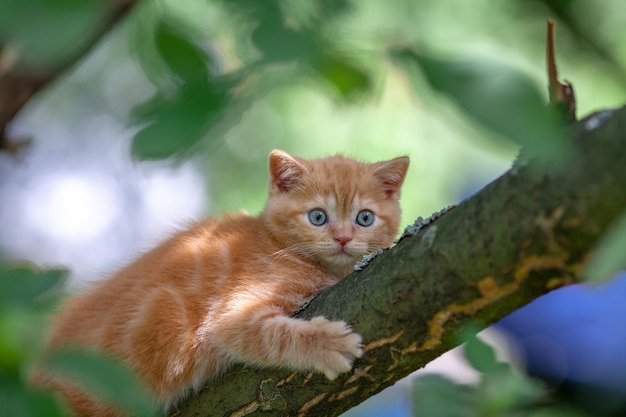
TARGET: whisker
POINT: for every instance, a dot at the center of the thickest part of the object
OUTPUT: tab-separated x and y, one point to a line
296	249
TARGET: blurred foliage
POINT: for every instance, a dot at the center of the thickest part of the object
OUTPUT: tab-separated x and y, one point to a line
180	120
503	391
238	78
226	82
44	34
28	296
200	93
499	97
105	377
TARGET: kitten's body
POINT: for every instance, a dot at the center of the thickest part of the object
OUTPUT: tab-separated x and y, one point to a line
224	291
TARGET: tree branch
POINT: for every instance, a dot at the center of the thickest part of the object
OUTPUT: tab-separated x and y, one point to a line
523	235
19	83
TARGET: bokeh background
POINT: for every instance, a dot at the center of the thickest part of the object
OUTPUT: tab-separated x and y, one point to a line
126	148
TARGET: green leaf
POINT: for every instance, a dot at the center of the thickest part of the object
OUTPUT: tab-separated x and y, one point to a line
180	124
21	332
437	396
332	8
47	32
480	355
17	400
559	411
182	56
507	390
609	256
104	377
24	284
349	80
277	42
502	388
498	97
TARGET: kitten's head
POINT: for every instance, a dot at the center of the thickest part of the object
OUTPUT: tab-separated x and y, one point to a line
333	210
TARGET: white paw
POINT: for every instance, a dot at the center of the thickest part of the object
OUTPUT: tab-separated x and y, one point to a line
337	347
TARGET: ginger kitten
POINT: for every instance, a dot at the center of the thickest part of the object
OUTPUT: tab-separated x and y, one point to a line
225	290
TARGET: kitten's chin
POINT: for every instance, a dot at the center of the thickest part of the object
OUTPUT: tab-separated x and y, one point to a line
340	264
343	258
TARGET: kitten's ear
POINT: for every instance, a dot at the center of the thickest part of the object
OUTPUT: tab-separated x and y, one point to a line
285	171
391	175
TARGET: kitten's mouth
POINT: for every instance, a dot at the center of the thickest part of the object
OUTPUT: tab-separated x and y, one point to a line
344	255
341	251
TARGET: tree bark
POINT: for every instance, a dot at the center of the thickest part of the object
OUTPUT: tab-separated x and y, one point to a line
523	235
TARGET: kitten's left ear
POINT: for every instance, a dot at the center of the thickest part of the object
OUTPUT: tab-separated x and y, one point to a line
285	171
391	175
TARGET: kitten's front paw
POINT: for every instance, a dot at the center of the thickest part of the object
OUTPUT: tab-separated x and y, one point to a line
338	347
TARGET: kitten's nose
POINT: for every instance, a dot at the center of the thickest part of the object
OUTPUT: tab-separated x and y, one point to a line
343	240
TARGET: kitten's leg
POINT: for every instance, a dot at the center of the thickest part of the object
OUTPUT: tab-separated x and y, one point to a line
158	342
264	334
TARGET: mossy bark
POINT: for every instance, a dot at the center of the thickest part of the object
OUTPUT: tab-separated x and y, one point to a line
526	233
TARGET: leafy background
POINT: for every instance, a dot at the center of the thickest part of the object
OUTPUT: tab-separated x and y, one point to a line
172	116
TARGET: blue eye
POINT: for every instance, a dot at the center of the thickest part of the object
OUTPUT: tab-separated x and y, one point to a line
317	217
365	218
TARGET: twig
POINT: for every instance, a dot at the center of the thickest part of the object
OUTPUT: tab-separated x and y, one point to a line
561	95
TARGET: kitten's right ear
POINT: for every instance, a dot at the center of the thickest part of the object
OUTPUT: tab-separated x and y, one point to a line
285	171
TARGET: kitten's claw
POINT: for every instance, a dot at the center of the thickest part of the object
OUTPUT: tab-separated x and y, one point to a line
339	346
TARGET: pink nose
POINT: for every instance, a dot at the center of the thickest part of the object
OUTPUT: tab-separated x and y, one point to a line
343	240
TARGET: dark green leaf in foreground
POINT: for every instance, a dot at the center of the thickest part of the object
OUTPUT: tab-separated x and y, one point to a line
47	32
274	40
347	79
498	97
180	124
436	396
104	377
480	355
22	328
502	388
24	284
332	8
16	400
558	410
183	57
507	390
